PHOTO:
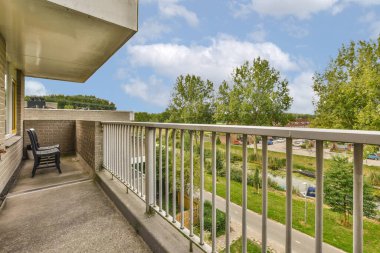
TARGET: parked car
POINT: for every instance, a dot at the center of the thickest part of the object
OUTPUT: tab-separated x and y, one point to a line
237	142
270	141
373	156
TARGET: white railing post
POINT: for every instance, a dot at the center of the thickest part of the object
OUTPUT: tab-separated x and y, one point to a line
319	198
202	167
228	190
213	227
264	187
289	189
244	196
358	198
149	170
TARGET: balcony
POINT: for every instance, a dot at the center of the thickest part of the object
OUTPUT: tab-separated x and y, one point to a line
63	213
157	179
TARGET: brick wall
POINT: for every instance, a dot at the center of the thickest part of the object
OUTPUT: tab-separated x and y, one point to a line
89	143
52	132
82	137
60	114
2	90
85	143
10	161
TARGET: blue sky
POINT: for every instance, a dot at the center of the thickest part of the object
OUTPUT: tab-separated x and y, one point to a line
210	38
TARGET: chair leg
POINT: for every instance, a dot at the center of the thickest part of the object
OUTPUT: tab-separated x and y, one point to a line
58	162
35	165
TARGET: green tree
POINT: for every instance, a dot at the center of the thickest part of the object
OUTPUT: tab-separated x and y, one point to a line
259	96
78	102
152	117
222	104
192	100
348	91
338	188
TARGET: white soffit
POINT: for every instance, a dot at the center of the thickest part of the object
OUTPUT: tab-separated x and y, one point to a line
70	42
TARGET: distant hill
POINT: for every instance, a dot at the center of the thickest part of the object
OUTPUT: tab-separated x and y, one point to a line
78	102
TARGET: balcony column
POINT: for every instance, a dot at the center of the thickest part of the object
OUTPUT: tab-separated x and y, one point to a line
149	168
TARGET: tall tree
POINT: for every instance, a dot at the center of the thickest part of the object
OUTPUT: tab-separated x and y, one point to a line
348	91
222	104
338	185
192	100
259	96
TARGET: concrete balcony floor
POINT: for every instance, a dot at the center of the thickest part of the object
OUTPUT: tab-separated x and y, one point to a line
65	212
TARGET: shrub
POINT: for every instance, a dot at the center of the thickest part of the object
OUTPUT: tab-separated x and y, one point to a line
220	166
254	157
234	157
236	174
220	219
276	163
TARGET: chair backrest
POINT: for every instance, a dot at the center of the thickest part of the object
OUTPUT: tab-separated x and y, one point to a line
32	141
35	137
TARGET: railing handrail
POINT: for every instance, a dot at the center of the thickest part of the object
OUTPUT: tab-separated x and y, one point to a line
339	135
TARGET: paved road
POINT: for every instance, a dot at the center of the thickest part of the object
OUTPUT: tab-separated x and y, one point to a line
276	231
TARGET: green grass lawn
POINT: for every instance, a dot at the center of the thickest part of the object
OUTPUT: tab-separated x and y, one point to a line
333	233
252	247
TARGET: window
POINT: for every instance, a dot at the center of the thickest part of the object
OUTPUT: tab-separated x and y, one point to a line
10	103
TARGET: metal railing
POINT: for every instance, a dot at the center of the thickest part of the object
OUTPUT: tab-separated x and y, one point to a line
130	155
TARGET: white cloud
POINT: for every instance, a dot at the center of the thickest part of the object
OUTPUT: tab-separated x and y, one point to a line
152	91
150	30
34	88
171	8
302	92
215	61
259	34
302	9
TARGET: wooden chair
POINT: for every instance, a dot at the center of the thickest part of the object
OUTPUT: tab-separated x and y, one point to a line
44	158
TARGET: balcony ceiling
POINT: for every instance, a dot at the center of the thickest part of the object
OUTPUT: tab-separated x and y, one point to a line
65	39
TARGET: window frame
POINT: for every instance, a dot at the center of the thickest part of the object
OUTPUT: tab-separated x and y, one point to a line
10	104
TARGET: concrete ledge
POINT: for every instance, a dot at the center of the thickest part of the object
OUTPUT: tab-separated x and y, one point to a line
156	232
